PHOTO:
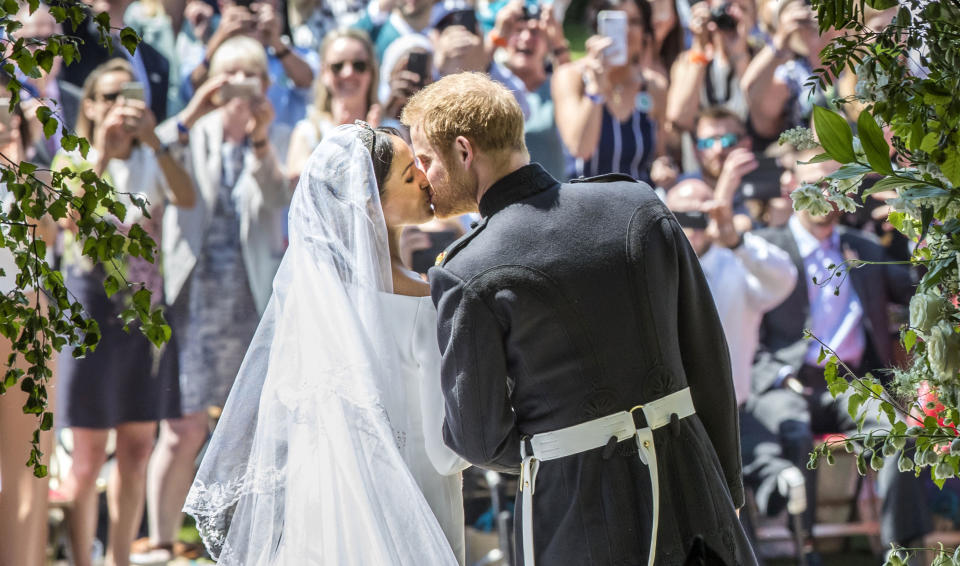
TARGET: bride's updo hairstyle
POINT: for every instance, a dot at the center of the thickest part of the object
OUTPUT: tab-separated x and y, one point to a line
380	145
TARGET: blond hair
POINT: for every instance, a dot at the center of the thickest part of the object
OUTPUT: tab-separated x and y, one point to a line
471	105
242	49
85	126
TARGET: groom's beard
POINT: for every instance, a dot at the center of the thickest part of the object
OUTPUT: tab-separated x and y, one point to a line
456	193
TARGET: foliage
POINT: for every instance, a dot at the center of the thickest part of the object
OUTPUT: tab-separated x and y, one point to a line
37	329
908	74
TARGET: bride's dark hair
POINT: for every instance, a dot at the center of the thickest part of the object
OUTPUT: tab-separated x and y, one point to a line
380	145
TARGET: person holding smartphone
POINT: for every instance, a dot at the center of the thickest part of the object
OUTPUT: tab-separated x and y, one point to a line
407	67
611	100
534	48
219	259
774	81
114	386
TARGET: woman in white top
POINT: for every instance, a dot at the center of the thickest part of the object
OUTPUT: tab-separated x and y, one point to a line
329	450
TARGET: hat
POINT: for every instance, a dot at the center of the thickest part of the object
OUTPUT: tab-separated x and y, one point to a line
443	9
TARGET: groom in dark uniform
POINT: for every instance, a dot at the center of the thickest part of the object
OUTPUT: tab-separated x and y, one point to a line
581	347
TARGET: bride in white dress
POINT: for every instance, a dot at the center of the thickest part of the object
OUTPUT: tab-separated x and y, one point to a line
329	449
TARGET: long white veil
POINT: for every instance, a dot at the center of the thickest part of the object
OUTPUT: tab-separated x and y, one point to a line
304	466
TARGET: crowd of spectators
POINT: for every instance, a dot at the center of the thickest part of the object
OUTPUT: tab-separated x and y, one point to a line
215	115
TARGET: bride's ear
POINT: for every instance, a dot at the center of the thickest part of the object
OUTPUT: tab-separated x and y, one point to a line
464	151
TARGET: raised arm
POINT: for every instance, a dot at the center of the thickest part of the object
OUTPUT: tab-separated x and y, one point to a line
689	71
579	89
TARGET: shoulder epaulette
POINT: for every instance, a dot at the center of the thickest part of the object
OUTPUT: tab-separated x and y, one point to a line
608	178
447	254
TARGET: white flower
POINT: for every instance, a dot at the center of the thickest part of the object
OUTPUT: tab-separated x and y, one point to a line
801	138
925	311
943	351
810	198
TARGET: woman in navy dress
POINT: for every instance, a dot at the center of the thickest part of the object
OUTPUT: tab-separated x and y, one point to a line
611	112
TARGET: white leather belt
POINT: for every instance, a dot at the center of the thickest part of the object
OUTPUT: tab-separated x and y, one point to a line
594	434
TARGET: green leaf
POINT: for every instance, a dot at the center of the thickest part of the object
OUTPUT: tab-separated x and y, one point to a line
929	142
891	184
103	20
889	411
68	142
50	127
27	168
67	50
819	158
849	171
853	405
909	340
926	217
834	134
129	39
45	59
874	144
951	167
46	422
141	300
111	285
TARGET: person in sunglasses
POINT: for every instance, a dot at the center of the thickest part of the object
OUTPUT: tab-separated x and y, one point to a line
346	91
724	153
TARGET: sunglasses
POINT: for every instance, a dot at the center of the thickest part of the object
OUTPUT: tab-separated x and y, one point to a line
357	66
109	96
726	141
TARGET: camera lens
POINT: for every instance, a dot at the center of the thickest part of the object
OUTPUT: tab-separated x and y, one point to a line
720	16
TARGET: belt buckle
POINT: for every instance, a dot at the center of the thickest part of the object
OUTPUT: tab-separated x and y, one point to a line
642	422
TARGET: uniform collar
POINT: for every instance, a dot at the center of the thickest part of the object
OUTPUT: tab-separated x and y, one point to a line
514	187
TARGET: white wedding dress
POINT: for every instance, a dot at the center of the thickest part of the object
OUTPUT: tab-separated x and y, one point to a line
329	449
436	468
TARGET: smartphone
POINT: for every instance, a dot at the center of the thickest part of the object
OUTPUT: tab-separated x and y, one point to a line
613	24
132	91
247	88
423	260
693	219
417	63
763	183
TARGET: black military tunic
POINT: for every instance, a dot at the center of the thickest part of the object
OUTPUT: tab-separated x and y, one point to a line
571	302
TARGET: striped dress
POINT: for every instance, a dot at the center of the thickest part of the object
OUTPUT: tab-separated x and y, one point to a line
625	147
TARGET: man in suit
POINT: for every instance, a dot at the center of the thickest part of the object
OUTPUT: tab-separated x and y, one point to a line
848	312
566	306
151	68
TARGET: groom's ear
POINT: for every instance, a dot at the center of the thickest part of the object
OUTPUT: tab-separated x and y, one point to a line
463	149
